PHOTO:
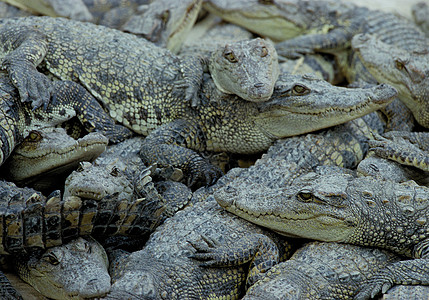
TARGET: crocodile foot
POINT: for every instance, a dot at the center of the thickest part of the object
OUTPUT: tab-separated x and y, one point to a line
211	252
32	85
380	282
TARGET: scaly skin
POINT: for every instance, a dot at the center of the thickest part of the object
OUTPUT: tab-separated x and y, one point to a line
7	291
70	99
49	155
55	220
164	270
407	148
74	270
321	271
165	22
406	70
420	11
299	104
339	208
319	26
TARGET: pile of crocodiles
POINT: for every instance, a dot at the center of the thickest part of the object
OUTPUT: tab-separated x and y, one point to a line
213	149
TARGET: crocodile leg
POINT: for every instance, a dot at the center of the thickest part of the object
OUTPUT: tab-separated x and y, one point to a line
21	65
403	272
89	112
169	145
257	249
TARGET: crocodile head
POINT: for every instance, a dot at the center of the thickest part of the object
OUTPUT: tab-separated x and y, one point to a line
302	104
247	68
315	207
75	270
165	23
407	71
278	20
46	154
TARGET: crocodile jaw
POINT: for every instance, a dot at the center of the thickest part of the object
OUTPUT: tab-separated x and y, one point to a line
277	212
289	116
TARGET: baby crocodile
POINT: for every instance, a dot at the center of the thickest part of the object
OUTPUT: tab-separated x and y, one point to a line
340	208
406	70
74	270
119	69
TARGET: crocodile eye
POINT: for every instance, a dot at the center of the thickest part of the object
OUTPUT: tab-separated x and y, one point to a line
34	136
52	259
305	196
165	16
229	55
300	90
264	51
399	64
114	172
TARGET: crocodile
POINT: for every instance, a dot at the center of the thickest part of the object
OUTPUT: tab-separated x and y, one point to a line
46	47
321	270
319	26
343	145
47	156
407	70
76	270
341	208
163	269
70	100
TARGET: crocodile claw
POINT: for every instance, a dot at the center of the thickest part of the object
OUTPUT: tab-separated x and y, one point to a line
32	85
203	171
210	252
381	282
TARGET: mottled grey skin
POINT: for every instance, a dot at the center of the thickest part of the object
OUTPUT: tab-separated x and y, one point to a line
70	100
46	156
420	11
340	208
407	148
321	271
386	169
319	26
164	22
405	69
7	291
117	74
75	270
163	269
400	292
299	104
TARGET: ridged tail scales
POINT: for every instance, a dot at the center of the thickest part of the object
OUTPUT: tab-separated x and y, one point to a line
29	220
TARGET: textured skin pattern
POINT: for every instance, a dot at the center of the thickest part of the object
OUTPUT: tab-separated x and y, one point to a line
407	148
164	270
321	271
7	291
324	207
76	269
405	69
31	221
70	100
320	26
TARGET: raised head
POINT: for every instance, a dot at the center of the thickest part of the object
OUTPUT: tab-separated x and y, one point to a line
247	68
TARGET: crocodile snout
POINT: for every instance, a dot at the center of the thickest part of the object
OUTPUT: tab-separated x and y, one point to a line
384	93
225	196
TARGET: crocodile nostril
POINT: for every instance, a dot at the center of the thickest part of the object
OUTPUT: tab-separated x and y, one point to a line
259	84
